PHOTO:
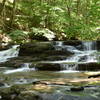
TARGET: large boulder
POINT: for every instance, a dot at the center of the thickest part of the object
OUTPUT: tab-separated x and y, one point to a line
47	67
41	34
41	49
34	48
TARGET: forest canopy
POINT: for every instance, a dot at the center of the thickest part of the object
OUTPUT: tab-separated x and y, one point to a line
23	20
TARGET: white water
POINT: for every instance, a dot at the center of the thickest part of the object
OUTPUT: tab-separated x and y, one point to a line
24	67
10	53
89	45
86	55
59	43
90	49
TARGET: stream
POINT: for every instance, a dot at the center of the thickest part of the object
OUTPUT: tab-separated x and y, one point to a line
21	68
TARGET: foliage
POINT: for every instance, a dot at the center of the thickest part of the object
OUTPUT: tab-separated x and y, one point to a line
68	19
40	32
19	36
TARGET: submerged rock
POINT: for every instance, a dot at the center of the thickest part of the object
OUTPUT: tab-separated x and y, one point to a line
28	95
62	96
76	89
49	90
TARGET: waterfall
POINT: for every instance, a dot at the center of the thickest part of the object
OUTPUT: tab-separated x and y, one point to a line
89	45
59	43
24	67
10	53
87	55
90	48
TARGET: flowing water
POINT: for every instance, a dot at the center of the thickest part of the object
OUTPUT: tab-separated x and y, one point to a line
86	55
10	53
25	74
24	68
89	49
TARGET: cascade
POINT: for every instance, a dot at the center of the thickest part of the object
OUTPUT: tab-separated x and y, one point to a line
10	53
90	49
86	55
24	67
89	45
59	43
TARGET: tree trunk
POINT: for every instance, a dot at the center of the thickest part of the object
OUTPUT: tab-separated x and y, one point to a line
77	7
13	13
3	6
2	14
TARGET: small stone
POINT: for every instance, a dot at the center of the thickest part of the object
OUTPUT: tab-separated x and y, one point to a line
94	76
76	89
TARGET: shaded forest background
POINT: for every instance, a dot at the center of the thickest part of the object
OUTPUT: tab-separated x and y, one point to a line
28	20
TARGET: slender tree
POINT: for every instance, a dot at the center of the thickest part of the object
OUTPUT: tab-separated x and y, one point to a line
13	13
3	6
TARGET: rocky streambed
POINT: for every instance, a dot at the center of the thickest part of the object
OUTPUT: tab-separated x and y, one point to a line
67	70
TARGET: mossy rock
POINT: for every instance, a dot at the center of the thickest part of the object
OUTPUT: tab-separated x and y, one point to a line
35	48
47	67
72	42
40	49
89	67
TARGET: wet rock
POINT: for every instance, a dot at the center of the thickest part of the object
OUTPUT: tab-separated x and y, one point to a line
47	67
83	59
17	62
61	96
76	89
17	92
2	84
88	67
72	42
29	95
54	58
36	82
59	52
12	63
98	44
16	89
11	93
41	49
94	76
35	48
